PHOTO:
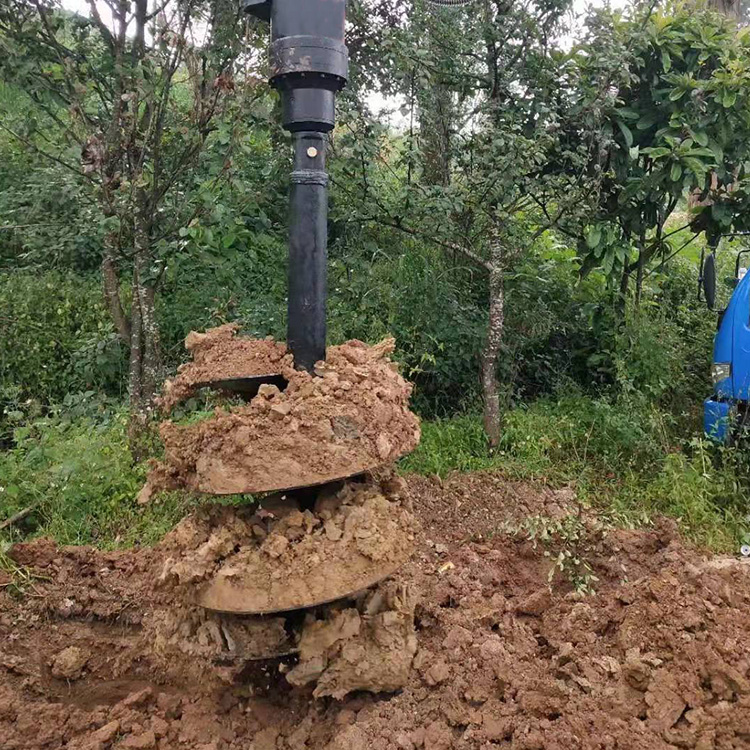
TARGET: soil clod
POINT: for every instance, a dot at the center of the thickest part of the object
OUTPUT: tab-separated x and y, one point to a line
655	660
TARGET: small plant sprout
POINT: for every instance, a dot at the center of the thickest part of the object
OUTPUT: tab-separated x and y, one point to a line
567	541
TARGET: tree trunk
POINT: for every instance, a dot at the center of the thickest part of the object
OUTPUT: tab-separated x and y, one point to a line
146	370
639	271
137	420
730	8
639	282
435	122
624	283
490	355
111	284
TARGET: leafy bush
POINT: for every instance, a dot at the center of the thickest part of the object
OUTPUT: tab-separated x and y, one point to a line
664	350
409	291
47	221
56	338
77	475
559	333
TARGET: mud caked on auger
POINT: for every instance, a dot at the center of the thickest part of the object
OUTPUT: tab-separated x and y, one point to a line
299	571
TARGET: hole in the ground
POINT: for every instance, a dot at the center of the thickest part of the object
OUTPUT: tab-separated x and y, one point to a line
449	603
293	622
266	676
547	651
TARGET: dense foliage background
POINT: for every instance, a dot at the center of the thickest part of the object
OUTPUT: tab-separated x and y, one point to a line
572	180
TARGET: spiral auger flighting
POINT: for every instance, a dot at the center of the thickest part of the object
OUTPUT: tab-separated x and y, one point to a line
301	568
328	521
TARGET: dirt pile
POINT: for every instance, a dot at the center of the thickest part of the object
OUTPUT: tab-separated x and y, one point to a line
278	557
349	417
656	660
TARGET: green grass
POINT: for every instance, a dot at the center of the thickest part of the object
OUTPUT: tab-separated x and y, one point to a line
83	486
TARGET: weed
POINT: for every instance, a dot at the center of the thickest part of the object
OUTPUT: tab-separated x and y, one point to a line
16	580
83	485
457	444
568	541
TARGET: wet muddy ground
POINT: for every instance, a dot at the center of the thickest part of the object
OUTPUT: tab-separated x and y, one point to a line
657	658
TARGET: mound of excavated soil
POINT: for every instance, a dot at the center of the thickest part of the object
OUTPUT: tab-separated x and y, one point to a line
350	417
279	557
656	660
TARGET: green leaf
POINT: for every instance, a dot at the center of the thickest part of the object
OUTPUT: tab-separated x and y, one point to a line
701	138
666	61
627	133
628	113
677	94
593	236
657	153
630	191
730	97
697	168
635	152
701	152
676	172
647	121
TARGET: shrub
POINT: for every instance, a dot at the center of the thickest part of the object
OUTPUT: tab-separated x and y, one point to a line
77	475
56	336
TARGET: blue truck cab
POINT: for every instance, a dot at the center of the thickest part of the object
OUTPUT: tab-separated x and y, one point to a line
730	370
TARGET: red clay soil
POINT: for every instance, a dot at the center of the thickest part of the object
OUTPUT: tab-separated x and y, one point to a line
351	416
658	659
220	354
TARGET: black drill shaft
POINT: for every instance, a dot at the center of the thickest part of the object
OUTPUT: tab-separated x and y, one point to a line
308	251
309	64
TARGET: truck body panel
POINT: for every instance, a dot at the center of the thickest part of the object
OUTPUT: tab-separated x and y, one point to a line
731	347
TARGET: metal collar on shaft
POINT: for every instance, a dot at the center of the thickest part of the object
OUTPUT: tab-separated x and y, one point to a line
310	177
